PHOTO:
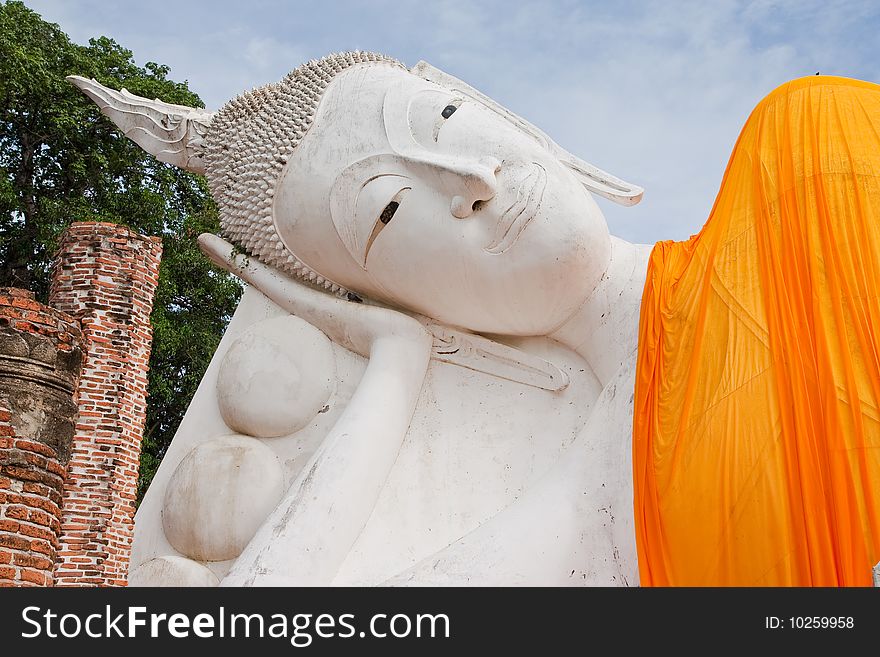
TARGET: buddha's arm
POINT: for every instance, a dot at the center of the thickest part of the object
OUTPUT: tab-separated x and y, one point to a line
306	538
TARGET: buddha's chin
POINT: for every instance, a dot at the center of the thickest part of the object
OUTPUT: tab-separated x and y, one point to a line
553	293
536	307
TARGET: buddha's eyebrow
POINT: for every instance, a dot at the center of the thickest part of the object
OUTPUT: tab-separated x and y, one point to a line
378	175
373	179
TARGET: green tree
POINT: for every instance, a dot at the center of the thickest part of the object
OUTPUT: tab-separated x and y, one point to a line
62	161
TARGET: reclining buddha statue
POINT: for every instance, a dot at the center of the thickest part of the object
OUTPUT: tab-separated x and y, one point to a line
445	371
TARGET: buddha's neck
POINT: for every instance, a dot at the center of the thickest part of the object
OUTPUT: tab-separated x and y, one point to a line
605	330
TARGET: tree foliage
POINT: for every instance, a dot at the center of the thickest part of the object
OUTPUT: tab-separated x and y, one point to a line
62	161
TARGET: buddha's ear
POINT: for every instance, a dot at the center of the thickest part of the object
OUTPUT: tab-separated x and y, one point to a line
172	133
601	182
593	178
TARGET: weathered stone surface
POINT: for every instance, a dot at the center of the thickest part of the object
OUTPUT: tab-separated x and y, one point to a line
276	378
219	495
40	359
172	571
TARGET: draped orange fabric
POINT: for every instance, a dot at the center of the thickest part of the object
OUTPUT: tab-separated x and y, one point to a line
756	448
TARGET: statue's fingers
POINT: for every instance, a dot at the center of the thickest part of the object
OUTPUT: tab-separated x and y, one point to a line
352	325
221	253
290	294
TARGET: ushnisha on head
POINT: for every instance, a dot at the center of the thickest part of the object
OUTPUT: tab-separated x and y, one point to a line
405	186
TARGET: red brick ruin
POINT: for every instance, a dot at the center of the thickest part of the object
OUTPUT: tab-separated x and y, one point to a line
73	384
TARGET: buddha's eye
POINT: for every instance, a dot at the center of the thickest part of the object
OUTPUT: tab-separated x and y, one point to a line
384	219
447	111
388	212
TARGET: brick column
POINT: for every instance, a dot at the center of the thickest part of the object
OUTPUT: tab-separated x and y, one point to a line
105	275
39	364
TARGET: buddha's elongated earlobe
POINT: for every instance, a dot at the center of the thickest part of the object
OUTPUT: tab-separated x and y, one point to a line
601	182
172	133
593	178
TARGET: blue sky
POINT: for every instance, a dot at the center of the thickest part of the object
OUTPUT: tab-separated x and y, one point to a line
654	92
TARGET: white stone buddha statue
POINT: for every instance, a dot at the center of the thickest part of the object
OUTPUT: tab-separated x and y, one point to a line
429	379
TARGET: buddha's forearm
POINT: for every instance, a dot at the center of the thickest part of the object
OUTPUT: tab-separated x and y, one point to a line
309	534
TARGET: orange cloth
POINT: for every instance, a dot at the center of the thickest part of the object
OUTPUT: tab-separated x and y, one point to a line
757	413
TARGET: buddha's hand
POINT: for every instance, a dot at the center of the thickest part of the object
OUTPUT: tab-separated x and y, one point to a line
355	326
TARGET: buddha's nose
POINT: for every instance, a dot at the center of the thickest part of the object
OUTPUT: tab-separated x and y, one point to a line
468	181
476	184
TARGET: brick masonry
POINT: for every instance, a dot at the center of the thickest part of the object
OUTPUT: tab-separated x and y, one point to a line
105	276
40	358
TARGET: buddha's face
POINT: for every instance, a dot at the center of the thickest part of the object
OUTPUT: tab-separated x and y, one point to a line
410	194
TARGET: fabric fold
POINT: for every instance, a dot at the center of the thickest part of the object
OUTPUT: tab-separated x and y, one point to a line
756	435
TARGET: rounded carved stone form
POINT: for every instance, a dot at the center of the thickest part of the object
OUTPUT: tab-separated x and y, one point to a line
275	378
219	495
172	571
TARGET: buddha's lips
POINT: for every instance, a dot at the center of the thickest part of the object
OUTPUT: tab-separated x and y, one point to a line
517	216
